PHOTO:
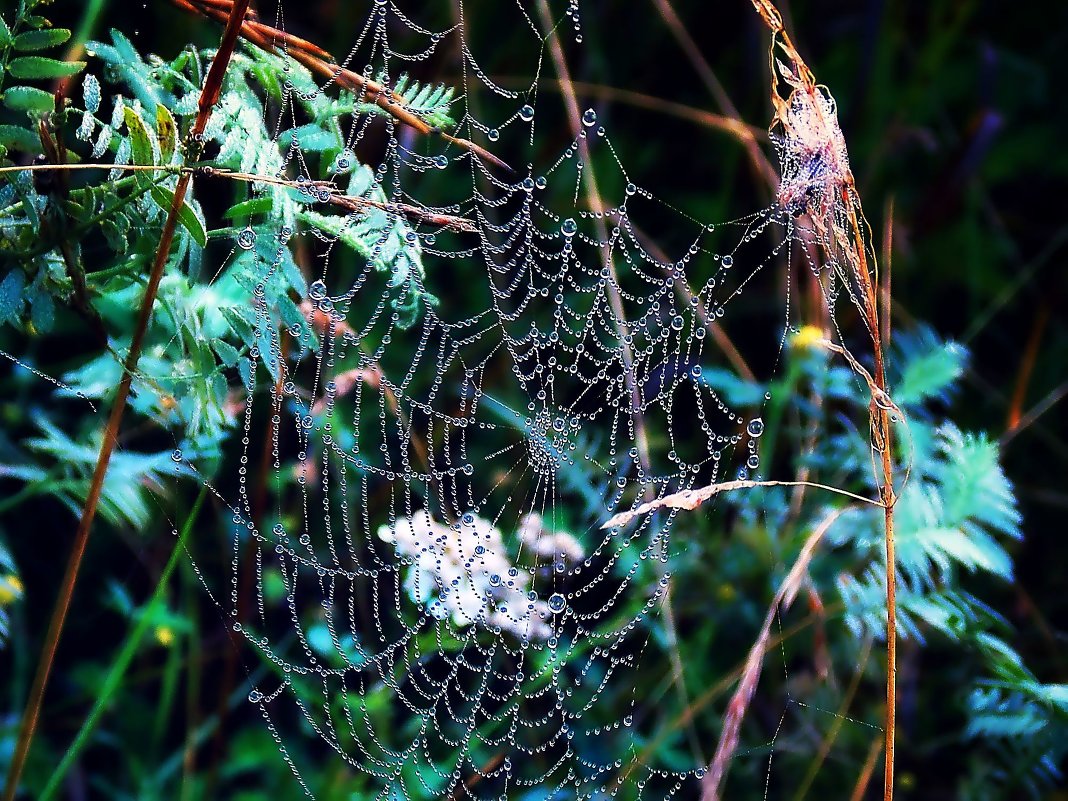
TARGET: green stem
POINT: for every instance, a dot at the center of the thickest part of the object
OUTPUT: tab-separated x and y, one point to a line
90	18
125	656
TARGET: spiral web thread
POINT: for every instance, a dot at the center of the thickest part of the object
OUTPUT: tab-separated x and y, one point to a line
439	550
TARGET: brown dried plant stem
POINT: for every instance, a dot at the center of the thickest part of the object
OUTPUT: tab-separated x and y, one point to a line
31	716
320	62
883	443
854	245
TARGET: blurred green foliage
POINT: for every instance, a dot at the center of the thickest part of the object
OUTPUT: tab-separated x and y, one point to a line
939	103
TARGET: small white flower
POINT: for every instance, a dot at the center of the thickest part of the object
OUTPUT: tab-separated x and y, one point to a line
462	572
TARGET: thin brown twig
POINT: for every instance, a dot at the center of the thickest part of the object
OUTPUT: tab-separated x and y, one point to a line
711	694
691	499
278	42
328	192
1027	367
682	289
864	779
209	96
836	727
759	161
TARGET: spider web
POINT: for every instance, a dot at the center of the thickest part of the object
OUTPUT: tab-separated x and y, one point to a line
435	595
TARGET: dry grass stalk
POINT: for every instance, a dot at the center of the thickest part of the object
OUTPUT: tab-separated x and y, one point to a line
691	499
739	703
817	181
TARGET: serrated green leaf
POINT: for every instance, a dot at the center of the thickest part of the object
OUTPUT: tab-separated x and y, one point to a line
28	99
5	33
227	353
39	68
114	235
42	39
928	374
186	216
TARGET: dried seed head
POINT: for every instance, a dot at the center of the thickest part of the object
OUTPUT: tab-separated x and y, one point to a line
813	161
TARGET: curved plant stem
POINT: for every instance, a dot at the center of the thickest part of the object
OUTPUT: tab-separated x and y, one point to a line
849	239
208	98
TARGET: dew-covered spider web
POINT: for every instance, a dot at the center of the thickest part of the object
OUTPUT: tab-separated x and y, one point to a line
434	593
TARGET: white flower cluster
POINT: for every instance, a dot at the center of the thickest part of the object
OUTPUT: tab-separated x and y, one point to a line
463	571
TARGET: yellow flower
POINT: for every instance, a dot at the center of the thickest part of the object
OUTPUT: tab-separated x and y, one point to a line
10	589
164	635
810	336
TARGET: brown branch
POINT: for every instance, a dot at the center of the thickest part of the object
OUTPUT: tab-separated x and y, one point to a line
208	98
329	192
281	43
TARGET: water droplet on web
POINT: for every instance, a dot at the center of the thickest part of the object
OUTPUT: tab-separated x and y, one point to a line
526	113
557	603
246	239
728	260
589	118
755	427
569	226
255	696
493	134
317	291
176	455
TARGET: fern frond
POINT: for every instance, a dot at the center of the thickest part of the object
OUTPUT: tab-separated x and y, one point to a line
429	101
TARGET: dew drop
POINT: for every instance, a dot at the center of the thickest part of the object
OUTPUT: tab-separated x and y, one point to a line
557	603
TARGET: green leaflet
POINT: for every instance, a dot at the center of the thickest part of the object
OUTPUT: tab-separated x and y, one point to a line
29	99
188	218
41	40
41	68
